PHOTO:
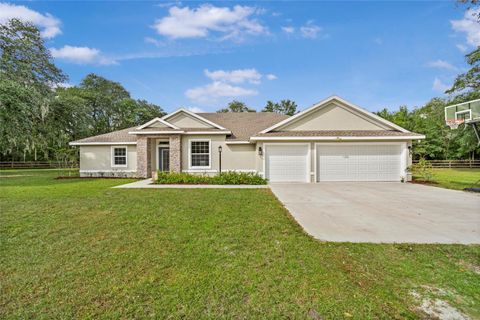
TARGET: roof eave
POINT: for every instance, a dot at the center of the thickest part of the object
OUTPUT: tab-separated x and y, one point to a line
341	138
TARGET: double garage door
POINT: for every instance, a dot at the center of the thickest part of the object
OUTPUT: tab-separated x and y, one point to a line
334	162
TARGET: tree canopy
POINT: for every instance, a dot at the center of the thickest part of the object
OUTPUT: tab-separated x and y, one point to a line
287	107
236	106
38	117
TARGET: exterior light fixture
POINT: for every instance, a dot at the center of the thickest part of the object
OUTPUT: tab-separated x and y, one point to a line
260	151
220	159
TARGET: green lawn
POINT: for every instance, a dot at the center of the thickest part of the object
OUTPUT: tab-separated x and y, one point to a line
456	178
79	249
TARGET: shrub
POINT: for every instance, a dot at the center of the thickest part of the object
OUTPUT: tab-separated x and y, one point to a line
423	169
222	178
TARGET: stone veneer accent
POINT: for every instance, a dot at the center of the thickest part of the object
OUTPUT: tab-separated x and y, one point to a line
175	153
144	147
144	165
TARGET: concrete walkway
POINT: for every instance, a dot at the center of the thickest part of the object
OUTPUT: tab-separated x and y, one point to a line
147	184
383	212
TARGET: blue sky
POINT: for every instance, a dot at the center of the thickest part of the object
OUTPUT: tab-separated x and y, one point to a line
201	55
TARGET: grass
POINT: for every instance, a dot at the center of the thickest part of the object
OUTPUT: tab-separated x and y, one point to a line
456	178
76	248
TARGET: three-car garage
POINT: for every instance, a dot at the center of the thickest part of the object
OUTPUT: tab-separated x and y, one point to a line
335	161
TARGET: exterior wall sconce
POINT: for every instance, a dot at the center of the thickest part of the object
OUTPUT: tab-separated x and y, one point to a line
260	151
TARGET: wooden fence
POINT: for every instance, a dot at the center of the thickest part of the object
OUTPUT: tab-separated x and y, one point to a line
454	163
37	165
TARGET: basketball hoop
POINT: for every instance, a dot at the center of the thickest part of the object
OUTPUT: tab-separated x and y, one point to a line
453	124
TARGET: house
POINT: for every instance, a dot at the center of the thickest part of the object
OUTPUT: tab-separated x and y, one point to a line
333	140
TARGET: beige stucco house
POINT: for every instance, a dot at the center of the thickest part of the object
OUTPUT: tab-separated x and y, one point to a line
333	140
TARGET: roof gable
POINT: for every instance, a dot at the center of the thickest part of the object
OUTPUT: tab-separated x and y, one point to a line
183	120
157	123
186	119
334	113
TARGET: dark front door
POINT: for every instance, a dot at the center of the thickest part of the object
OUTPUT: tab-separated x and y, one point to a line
163	159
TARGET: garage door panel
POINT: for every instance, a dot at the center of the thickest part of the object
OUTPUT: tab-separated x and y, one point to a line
286	163
358	162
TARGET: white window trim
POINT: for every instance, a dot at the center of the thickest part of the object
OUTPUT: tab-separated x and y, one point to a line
112	153
190	154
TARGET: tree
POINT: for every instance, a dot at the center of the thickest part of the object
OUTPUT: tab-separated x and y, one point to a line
38	117
27	76
470	80
236	106
287	107
110	105
24	57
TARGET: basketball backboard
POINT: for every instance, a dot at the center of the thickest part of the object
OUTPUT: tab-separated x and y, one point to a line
466	112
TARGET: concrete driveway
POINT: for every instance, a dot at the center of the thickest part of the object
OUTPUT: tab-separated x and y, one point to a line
383	212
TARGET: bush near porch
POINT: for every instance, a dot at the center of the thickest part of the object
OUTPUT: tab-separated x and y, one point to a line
225	178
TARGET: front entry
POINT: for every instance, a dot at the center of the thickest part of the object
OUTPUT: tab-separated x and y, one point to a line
163	158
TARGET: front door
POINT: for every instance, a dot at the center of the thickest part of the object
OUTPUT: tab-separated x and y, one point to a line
163	159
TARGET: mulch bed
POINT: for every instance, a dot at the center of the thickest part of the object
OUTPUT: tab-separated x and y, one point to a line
68	177
428	183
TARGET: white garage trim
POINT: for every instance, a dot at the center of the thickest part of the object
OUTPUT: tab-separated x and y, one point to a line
343	138
403	154
308	166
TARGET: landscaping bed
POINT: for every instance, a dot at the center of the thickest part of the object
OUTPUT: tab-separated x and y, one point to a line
225	178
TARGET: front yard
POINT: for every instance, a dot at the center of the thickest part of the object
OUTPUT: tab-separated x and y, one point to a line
77	248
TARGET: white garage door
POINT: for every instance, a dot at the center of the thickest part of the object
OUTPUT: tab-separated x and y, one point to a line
287	163
359	162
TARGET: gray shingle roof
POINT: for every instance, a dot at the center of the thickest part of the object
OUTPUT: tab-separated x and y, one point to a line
115	136
244	124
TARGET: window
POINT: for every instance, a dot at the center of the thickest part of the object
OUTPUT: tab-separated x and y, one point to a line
200	154
119	156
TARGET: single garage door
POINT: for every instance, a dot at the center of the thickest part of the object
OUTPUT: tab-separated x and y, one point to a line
287	163
358	162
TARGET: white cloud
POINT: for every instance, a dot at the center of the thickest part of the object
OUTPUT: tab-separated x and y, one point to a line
48	24
439	86
470	26
168	4
235	76
442	64
462	47
288	30
217	89
271	77
310	30
81	55
155	42
195	109
232	23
